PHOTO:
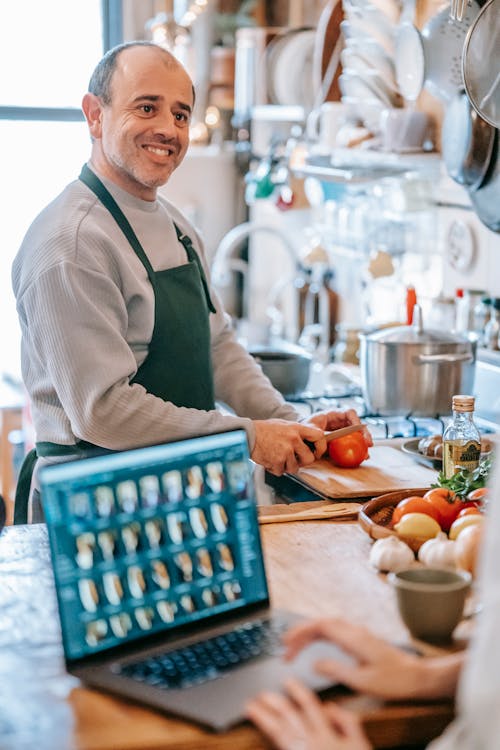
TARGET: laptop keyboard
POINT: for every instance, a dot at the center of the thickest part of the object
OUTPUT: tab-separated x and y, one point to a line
208	659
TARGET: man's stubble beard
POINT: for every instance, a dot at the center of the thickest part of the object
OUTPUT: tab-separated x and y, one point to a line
135	174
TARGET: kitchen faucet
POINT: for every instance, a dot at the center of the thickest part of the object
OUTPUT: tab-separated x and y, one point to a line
223	263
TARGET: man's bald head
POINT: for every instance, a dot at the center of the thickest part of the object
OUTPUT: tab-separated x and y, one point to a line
101	78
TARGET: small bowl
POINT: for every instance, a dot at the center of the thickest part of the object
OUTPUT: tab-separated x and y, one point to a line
431	601
287	367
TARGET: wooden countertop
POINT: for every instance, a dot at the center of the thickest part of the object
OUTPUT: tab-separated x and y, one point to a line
314	567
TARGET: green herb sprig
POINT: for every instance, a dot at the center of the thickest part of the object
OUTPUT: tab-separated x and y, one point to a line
465	481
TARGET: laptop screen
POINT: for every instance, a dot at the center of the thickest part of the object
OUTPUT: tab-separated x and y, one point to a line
148	540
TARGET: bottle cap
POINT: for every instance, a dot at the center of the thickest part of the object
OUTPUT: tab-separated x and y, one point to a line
463	403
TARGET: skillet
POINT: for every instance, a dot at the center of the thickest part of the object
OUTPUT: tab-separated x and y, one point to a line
466	143
486	199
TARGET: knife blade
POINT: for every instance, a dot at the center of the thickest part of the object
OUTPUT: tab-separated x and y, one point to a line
334	434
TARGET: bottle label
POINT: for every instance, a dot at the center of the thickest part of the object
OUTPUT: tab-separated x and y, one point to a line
458	455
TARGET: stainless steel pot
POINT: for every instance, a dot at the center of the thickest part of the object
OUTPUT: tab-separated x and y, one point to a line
407	370
287	366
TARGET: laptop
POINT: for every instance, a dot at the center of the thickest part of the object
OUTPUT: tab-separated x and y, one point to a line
160	579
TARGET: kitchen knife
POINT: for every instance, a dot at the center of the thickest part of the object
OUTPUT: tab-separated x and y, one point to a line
334	434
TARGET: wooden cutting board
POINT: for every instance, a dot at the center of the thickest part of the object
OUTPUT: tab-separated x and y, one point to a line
387	470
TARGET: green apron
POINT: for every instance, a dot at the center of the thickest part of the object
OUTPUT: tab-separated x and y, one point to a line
178	365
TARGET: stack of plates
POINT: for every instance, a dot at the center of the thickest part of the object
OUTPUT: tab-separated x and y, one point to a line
289	63
368	81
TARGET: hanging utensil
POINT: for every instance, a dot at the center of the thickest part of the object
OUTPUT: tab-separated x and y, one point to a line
466	142
457	9
432	58
486	199
480	67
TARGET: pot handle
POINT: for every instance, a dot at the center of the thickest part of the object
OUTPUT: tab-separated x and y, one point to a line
423	359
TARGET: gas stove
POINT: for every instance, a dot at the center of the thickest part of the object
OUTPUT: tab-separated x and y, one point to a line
381	427
345	393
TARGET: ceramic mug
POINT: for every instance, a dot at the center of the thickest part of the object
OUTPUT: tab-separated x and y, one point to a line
324	122
403	129
431	601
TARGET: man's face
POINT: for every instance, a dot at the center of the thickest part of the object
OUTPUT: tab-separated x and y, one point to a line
144	131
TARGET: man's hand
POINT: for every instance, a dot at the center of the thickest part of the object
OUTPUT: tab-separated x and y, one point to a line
334	420
279	445
381	670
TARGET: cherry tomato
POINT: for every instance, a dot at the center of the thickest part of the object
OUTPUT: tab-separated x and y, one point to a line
471	510
348	451
414	504
478	496
446	503
471	504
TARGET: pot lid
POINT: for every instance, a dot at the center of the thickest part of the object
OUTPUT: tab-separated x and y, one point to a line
410	335
279	352
415	334
479	66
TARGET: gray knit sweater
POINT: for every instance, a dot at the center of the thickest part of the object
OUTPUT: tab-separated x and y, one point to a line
86	309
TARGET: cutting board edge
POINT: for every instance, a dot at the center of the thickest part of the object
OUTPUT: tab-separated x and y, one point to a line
351	495
387	470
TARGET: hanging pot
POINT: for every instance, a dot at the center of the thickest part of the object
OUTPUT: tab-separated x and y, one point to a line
480	63
467	142
486	200
406	370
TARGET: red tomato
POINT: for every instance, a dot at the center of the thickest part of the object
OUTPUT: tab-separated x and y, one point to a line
471	504
446	503
348	451
478	496
471	510
414	504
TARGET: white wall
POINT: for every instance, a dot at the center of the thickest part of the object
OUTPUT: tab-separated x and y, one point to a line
471	251
207	188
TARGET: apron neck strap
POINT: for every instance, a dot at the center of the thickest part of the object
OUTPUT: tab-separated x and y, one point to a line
193	256
93	182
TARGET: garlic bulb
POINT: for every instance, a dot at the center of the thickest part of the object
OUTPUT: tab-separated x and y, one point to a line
438	552
391	554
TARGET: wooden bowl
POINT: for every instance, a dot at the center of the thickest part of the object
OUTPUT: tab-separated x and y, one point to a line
376	515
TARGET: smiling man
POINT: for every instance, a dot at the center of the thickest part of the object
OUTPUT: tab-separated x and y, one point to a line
124	342
138	115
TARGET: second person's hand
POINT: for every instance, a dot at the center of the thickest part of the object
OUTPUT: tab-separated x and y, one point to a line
379	669
298	721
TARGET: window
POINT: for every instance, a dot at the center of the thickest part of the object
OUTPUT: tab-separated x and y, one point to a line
47	52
